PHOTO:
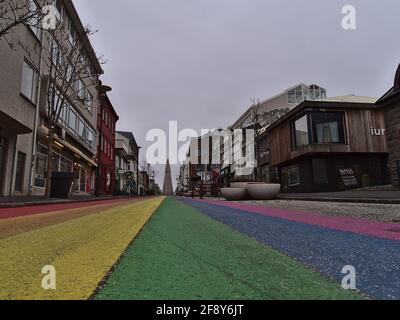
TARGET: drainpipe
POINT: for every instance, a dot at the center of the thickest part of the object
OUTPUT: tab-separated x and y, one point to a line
35	126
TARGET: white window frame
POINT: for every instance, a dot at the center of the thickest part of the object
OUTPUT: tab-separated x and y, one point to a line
32	94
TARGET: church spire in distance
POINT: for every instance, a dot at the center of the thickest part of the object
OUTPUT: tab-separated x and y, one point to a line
167	188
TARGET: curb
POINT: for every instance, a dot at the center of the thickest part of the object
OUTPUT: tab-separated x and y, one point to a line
49	202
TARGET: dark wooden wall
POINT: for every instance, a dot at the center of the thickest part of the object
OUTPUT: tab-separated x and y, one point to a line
392	118
358	132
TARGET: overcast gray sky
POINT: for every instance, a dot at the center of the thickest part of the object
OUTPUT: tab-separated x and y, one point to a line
201	61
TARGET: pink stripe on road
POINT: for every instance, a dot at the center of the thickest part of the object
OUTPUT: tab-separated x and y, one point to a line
361	226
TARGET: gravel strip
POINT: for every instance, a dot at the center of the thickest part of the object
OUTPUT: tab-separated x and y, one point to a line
379	212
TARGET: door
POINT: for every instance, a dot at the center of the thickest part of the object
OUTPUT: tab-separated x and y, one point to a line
3	161
20	172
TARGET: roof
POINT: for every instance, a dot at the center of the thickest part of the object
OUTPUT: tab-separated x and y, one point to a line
272	98
107	100
130	136
351	99
324	105
393	93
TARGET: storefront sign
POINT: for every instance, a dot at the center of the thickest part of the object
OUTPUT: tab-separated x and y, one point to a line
377	132
348	177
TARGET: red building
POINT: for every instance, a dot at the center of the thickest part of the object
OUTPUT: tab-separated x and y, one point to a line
106	125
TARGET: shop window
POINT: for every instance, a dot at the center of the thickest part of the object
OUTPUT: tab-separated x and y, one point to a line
40	175
83	180
294	176
56	162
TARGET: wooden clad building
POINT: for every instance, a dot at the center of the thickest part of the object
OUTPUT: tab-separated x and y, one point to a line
330	145
390	104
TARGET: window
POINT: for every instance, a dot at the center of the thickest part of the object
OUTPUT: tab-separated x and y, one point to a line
80	89
301	132
90	137
60	9
89	101
29	80
294	176
72	120
71	32
328	127
81	129
33	23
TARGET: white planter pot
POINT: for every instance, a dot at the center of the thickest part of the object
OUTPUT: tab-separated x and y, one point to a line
263	191
234	194
239	185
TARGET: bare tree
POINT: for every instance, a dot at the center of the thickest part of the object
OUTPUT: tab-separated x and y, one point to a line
261	120
68	68
149	169
17	12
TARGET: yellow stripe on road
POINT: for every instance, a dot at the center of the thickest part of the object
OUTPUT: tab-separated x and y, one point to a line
82	251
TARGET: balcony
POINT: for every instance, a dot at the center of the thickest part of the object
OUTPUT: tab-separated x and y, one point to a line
122	148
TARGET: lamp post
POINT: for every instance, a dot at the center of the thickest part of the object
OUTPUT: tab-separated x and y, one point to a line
102	89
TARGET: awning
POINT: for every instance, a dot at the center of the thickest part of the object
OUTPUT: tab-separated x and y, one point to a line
75	150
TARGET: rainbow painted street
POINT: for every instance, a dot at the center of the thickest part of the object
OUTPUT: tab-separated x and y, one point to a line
173	248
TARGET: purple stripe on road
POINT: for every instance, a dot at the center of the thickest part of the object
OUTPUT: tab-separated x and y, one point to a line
356	225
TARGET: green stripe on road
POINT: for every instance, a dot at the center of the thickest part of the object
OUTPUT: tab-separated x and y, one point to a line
182	254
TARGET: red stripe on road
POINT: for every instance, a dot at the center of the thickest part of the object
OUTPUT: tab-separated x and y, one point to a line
37	209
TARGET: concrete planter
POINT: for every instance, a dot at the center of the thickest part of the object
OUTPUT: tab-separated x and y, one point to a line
239	185
234	194
263	191
243	184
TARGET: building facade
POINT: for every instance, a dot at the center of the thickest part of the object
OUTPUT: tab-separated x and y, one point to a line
390	104
330	145
259	115
106	126
127	163
144	183
26	83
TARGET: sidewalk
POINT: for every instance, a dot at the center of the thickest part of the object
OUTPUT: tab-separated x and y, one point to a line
371	195
23	201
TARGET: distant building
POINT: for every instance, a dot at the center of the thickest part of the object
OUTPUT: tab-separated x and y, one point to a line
287	99
127	150
259	115
144	183
106	123
390	104
329	145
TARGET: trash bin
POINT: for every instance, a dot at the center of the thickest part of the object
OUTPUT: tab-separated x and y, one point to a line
61	183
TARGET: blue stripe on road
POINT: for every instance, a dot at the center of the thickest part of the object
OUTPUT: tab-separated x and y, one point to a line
377	260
